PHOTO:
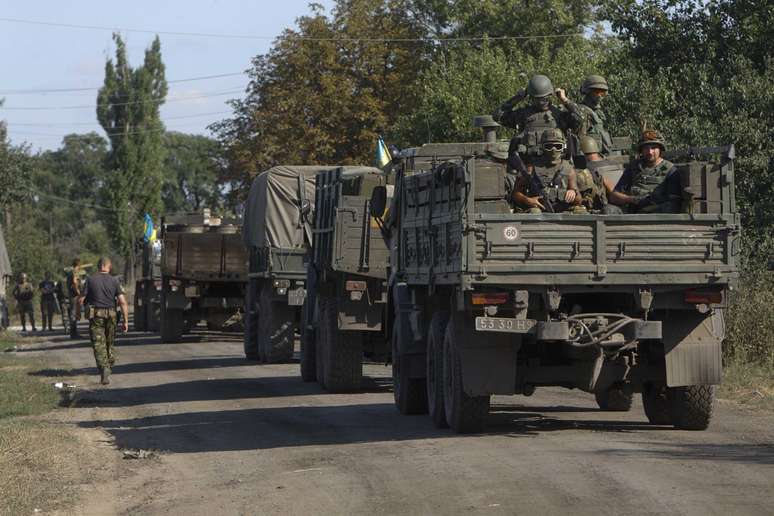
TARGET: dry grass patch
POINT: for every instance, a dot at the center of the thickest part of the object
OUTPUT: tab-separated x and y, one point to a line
748	384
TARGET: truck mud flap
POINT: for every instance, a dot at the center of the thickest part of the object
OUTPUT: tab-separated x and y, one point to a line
176	300
488	360
692	348
410	341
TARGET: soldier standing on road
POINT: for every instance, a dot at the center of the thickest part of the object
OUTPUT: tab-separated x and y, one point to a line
588	117
100	293
533	120
73	280
650	184
23	292
64	304
47	301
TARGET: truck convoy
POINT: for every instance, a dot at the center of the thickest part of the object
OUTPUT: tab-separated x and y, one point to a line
203	272
487	301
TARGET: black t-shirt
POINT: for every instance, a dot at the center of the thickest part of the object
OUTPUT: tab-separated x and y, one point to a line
47	288
101	290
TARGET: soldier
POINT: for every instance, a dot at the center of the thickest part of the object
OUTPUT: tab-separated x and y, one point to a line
23	292
533	120
73	280
64	304
588	117
550	182
47	301
101	292
650	184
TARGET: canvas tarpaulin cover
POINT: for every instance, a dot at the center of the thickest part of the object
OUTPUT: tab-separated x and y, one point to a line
272	212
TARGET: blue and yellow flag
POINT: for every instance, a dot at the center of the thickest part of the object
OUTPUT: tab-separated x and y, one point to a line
150	231
382	153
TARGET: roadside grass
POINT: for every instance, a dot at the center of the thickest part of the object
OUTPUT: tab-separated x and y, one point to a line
38	460
748	384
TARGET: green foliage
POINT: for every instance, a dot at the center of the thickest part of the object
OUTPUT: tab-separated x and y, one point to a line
128	110
190	173
15	170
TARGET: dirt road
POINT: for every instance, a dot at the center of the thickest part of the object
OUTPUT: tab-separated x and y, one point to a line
232	437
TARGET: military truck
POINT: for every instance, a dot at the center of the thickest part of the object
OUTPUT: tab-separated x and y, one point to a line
203	272
277	235
346	310
488	301
147	288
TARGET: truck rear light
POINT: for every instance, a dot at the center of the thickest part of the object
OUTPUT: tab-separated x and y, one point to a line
350	286
157	284
703	297
175	283
490	298
281	283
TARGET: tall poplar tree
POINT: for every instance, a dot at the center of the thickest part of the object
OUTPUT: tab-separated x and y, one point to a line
128	110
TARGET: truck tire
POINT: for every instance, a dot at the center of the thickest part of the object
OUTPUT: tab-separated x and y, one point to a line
691	407
140	319
276	328
614	399
172	325
410	393
464	414
251	322
435	400
343	357
308	362
656	404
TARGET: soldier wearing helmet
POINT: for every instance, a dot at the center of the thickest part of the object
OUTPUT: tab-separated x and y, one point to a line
649	184
532	120
549	182
588	117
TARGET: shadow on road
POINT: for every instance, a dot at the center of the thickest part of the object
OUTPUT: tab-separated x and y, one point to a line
731	452
151	367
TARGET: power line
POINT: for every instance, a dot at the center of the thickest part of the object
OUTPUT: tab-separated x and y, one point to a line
68	124
301	38
95	88
92	106
78	203
120	133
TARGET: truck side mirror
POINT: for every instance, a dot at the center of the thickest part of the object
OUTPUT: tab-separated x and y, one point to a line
378	202
306	207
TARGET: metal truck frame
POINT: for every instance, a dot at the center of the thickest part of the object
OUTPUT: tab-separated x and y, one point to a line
147	288
203	272
346	307
488	301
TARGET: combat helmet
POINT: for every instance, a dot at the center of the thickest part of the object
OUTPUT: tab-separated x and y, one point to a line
589	145
552	136
593	82
651	137
539	86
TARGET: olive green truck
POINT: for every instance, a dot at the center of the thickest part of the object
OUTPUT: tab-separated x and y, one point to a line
491	302
346	311
203	272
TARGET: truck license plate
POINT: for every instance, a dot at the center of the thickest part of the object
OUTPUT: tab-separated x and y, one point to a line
505	325
296	296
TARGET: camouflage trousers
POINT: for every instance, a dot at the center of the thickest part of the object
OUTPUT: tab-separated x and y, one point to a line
47	310
26	309
102	330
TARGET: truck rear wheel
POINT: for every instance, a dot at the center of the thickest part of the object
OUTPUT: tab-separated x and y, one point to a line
343	355
465	414
276	328
410	393
614	399
251	322
308	359
691	407
656	404
435	400
172	325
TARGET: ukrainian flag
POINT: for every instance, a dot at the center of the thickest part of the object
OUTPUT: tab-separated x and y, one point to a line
382	153
150	231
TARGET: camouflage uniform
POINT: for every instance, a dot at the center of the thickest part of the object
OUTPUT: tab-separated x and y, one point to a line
532	121
550	182
657	189
588	119
64	305
23	292
73	291
102	330
47	302
591	188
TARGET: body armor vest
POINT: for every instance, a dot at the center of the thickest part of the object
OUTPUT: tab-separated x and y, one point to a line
550	182
592	189
594	125
645	180
535	123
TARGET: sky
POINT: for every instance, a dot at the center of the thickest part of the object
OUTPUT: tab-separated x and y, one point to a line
43	56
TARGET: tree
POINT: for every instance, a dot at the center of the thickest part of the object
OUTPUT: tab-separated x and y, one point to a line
128	110
190	173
